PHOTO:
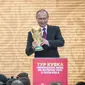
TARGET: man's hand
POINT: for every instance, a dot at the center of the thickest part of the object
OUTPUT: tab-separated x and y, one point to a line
44	41
34	44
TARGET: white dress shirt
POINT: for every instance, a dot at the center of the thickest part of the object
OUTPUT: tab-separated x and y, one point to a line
43	30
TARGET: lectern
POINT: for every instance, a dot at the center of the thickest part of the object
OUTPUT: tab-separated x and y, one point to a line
48	70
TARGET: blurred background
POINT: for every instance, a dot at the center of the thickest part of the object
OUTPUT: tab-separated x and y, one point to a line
17	18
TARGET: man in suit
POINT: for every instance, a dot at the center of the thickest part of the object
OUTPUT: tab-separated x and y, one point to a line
51	40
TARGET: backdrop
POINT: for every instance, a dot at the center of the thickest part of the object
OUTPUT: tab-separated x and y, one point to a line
16	19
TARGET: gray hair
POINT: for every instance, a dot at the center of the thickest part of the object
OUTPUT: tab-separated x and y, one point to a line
55	83
1	83
17	82
42	10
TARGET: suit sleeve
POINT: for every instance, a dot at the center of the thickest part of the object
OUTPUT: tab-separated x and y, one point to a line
29	50
58	41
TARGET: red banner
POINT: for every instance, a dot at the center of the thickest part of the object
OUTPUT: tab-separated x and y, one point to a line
48	70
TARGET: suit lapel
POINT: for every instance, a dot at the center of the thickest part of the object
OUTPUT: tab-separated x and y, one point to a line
48	32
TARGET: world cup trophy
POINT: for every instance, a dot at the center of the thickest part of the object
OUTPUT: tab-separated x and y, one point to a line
37	36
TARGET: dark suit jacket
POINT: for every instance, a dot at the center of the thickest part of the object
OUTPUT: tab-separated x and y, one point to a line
55	40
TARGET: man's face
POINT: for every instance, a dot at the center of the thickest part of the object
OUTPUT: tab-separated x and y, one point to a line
42	18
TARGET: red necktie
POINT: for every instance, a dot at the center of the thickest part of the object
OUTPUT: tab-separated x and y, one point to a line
44	33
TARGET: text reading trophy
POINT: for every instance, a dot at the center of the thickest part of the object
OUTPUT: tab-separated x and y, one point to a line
37	36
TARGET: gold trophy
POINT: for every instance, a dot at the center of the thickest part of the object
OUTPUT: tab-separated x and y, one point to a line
37	36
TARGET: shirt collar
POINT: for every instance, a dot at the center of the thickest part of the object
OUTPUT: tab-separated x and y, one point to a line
45	30
44	27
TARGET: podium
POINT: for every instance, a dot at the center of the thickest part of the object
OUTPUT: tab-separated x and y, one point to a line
48	70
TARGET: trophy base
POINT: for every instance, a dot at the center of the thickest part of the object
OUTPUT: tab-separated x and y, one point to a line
38	48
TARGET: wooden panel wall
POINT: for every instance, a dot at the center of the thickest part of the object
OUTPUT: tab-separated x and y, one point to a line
16	19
